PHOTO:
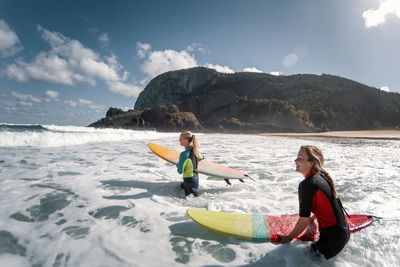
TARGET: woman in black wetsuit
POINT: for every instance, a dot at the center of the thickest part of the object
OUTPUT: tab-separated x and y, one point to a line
317	195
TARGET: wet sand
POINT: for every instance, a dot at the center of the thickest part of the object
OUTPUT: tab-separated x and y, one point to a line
369	134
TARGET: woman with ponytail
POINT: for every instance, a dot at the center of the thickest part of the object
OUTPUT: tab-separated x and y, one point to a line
188	161
317	195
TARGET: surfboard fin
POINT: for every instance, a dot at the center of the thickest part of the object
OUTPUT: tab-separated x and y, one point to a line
241	180
227	181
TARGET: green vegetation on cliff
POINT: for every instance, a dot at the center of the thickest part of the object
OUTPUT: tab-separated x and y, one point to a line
253	102
328	101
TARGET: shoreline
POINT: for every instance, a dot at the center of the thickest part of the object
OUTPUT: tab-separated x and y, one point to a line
389	134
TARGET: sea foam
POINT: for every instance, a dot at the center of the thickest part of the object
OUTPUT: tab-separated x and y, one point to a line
77	196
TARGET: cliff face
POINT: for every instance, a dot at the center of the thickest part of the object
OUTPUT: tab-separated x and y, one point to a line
302	102
173	86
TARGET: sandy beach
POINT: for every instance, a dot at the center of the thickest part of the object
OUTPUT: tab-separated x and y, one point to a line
368	134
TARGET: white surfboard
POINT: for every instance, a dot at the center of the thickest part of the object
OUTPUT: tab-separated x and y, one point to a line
205	166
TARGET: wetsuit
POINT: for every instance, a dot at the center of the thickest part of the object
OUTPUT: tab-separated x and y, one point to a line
188	166
316	196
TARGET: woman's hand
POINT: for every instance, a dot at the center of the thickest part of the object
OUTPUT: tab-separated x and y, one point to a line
300	226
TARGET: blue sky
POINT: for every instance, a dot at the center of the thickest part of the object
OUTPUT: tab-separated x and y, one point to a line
67	62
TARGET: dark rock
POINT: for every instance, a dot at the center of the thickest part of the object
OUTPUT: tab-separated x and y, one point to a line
113	112
161	118
169	118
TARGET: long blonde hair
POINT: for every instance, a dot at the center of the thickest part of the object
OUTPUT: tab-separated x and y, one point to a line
315	156
192	140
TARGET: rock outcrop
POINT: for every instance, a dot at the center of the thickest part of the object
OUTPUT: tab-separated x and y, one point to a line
161	118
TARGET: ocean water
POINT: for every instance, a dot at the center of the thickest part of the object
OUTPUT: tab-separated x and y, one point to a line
77	196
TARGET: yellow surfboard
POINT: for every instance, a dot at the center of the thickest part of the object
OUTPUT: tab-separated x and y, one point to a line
238	225
205	166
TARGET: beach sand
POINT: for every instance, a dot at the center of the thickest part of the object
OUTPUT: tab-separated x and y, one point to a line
369	134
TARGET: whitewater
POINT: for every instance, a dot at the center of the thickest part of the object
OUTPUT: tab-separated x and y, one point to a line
78	196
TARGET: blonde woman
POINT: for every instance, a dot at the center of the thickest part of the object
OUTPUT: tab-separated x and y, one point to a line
317	195
188	161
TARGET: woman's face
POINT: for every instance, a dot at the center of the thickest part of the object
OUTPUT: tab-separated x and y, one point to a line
303	166
183	141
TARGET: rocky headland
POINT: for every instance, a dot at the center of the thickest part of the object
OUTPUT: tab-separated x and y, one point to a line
204	100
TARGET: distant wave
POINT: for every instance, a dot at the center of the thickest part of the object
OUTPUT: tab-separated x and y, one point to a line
12	135
21	127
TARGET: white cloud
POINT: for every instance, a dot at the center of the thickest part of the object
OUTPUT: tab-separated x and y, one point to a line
25	97
69	62
158	62
252	70
375	17
290	60
52	94
276	73
9	41
385	88
219	68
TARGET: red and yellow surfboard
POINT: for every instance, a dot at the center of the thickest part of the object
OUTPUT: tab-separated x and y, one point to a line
264	228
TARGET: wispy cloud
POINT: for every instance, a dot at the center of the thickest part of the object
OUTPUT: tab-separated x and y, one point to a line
26	97
28	100
90	104
9	41
375	17
84	101
104	40
69	62
25	104
143	50
71	103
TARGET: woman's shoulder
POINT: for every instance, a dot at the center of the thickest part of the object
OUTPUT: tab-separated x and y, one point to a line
309	181
185	153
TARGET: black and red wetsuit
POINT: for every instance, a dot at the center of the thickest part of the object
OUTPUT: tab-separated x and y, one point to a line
316	196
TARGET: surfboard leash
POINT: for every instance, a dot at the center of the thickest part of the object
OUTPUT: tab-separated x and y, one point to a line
248	176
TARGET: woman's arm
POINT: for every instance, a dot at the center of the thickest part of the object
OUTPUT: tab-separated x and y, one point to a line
182	158
300	226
